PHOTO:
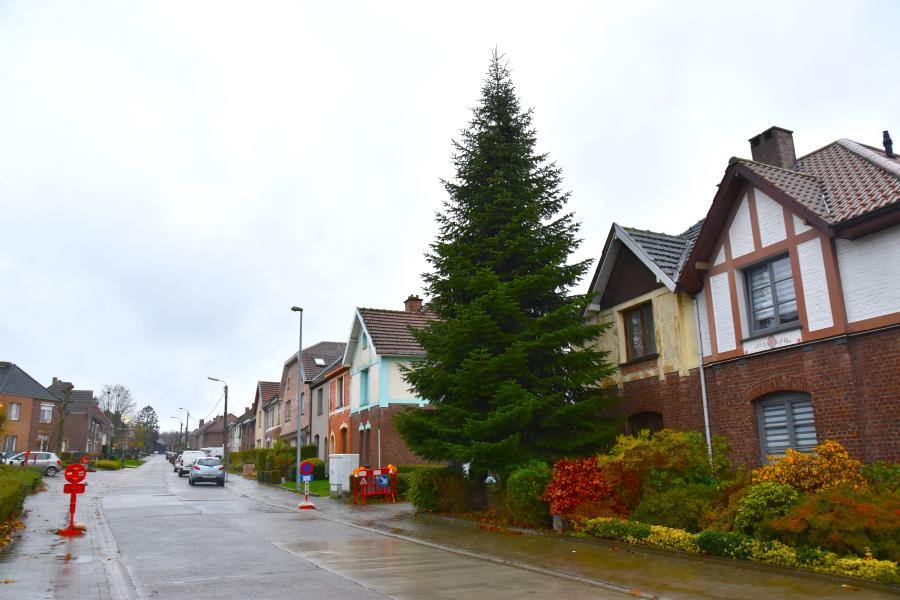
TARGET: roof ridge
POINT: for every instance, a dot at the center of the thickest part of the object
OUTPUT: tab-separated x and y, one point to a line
673	235
399	312
792	171
871	156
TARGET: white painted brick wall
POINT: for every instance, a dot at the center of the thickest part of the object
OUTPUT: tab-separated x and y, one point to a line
705	343
740	233
870	274
770	216
815	285
721	299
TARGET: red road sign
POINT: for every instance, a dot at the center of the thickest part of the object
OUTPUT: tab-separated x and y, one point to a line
307	468
85	459
75	473
73	488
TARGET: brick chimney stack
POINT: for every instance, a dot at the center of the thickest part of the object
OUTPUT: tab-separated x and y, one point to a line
201	424
774	146
413	304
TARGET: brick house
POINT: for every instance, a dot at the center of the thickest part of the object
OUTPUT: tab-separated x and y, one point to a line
796	273
32	411
313	423
652	334
86	428
337	380
380	342
210	434
242	431
267	408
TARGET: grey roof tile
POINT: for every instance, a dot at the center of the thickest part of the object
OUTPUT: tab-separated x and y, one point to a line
391	330
16	382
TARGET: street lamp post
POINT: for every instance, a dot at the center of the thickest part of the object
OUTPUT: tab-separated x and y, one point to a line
125	420
179	430
187	424
224	427
299	394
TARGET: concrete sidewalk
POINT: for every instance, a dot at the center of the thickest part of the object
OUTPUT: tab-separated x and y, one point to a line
42	564
639	571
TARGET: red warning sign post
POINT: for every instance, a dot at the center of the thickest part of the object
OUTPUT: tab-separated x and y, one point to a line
306	475
75	474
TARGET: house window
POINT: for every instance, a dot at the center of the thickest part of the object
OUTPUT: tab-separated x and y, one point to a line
651	421
344	448
785	421
639	336
363	340
771	298
319	402
316	442
287	411
9	443
364	387
43	441
339	402
301	403
46	413
362	447
15	409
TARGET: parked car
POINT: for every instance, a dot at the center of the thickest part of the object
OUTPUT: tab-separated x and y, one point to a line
48	461
7	455
176	461
187	460
208	469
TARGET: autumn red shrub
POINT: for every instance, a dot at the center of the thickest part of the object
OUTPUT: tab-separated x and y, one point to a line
576	482
843	519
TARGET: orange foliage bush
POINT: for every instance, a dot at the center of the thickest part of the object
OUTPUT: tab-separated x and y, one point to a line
829	465
575	483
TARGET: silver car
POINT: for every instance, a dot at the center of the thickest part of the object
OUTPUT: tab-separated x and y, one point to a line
208	469
48	461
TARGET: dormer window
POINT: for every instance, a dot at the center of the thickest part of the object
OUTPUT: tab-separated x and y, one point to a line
320	362
364	342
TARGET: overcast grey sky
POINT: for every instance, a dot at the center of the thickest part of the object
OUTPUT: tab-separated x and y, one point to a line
174	176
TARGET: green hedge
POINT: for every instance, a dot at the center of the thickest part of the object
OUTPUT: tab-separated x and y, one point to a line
15	484
737	545
309	451
108	465
420	467
524	489
441	490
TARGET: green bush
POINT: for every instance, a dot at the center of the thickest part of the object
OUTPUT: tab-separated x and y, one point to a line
309	451
615	529
274	476
844	520
15	484
682	507
882	476
319	468
403	481
724	543
524	490
763	502
108	465
439	490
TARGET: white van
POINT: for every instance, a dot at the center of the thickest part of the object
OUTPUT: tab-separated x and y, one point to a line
187	459
217	451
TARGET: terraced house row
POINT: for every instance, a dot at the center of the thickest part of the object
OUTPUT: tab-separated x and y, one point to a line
774	320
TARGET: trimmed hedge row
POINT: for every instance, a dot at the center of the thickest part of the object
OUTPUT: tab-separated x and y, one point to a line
15	484
108	465
737	545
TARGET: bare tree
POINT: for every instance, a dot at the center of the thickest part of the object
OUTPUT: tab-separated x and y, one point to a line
65	401
117	402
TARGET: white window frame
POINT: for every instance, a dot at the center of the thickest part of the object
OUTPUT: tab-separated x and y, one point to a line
48	408
15	411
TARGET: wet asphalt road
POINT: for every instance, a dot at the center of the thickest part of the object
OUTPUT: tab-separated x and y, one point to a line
179	541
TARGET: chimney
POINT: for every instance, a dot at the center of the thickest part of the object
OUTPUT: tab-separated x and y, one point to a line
413	304
201	424
888	144
774	146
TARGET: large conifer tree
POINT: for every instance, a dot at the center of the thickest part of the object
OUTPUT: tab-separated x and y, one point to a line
507	373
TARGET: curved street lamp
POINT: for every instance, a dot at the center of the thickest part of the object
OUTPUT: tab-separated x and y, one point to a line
299	398
224	427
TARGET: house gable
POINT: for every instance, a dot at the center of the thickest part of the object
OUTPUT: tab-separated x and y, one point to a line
628	278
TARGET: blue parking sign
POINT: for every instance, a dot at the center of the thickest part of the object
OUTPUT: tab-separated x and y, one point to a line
305	478
382	480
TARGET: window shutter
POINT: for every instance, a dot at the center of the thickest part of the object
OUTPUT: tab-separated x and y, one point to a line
804	425
776	436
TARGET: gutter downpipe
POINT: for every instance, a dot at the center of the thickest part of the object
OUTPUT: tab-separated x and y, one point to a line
703	381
